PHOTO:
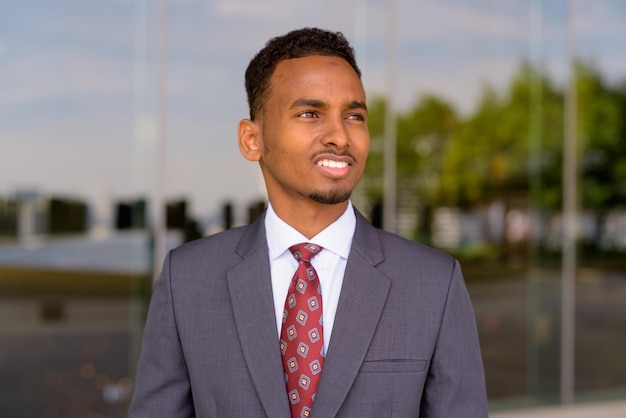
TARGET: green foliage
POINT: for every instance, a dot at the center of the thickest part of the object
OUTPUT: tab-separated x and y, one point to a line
373	177
493	149
422	135
601	132
510	145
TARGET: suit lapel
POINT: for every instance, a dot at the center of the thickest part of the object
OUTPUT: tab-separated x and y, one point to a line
250	290
361	303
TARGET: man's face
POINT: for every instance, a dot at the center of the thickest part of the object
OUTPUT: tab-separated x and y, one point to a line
313	130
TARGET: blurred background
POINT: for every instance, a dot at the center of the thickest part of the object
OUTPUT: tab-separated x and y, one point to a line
498	135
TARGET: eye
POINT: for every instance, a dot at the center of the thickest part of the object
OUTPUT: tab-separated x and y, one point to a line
307	114
356	116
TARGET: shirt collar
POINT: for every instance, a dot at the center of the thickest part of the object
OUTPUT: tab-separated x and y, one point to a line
336	237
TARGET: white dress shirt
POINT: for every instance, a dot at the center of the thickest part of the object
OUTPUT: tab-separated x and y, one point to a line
330	263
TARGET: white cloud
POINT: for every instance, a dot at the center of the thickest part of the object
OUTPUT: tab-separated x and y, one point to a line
456	20
55	74
86	59
254	9
600	35
599	19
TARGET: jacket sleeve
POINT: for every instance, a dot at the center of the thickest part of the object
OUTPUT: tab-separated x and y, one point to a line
455	386
162	387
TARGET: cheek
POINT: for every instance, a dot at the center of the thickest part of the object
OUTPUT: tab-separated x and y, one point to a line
366	149
362	146
287	159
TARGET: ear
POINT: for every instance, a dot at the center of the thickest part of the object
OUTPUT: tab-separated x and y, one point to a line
250	139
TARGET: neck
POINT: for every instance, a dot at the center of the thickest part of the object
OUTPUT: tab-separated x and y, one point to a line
311	218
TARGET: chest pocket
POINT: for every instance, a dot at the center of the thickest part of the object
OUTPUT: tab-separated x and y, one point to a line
393	366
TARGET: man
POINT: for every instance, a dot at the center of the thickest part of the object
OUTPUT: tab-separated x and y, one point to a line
396	335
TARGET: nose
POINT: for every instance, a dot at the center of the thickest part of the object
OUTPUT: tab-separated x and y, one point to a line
337	134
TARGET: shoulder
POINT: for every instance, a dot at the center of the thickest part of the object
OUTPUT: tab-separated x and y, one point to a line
392	252
397	247
418	274
416	259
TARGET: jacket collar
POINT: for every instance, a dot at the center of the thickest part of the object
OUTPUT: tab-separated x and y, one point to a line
361	303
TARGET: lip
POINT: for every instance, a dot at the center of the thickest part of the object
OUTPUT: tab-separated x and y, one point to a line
332	165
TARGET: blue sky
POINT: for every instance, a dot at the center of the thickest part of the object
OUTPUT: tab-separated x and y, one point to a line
78	79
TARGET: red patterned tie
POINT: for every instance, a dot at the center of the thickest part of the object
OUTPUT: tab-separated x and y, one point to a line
301	337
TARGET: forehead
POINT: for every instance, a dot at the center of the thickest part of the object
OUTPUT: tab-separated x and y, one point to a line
316	75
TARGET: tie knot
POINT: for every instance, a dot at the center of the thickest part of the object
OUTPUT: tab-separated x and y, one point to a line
303	252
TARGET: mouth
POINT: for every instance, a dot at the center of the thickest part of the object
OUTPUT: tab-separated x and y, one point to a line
332	163
334	166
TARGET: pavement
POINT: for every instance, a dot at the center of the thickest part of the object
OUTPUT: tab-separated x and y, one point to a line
611	409
74	357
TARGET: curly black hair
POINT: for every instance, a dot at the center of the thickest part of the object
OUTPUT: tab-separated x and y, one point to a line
298	43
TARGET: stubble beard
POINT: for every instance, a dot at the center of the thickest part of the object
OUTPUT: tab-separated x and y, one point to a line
332	198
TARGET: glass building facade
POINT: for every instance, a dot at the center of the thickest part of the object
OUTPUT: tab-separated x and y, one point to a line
118	142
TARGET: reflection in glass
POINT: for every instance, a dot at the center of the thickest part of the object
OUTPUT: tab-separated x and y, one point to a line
480	109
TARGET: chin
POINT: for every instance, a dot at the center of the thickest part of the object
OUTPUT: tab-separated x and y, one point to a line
331	198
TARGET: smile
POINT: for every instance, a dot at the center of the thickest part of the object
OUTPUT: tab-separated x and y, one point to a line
332	164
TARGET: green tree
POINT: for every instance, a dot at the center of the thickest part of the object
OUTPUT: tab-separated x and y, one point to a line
489	155
601	132
372	182
421	140
509	147
423	135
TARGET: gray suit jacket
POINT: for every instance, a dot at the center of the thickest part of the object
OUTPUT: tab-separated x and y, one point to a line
404	341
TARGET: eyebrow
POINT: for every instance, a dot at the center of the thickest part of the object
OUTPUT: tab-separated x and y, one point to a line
315	103
357	105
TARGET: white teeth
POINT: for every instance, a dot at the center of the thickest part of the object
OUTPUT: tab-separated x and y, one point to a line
332	164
